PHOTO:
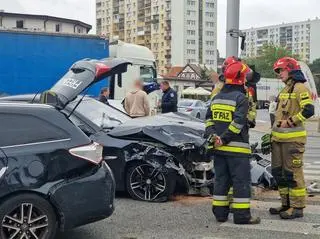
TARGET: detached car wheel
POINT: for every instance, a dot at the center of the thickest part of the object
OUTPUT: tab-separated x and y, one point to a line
27	216
147	183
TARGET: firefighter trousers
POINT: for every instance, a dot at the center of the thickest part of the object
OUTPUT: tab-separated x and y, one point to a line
287	169
232	170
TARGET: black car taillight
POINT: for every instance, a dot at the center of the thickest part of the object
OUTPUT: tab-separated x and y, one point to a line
91	152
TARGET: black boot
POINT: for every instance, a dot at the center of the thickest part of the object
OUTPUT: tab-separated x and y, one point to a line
292	213
278	210
221	213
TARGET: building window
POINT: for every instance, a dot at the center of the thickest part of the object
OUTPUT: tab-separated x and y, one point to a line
58	28
191	32
19	24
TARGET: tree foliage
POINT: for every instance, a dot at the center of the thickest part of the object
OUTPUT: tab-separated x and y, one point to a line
269	55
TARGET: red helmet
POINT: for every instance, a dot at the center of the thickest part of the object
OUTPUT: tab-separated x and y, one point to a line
286	63
235	73
229	60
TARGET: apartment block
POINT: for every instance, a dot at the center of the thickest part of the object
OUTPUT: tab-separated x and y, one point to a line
301	38
177	31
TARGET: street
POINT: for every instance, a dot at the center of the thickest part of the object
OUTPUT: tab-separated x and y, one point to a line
191	217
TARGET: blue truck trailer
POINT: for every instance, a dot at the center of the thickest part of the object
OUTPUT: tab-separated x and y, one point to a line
32	62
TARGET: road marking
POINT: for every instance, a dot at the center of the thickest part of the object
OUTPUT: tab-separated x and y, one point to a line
314	172
310	166
280	226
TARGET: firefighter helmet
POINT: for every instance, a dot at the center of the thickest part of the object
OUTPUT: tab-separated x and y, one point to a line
286	63
235	73
229	60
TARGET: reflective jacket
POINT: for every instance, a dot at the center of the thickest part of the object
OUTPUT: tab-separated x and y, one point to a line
295	105
252	112
227	118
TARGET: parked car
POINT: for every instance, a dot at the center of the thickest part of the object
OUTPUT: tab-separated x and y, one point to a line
48	170
195	108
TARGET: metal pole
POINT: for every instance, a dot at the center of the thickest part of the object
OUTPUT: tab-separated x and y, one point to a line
233	18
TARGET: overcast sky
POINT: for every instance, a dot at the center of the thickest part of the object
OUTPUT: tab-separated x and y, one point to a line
252	12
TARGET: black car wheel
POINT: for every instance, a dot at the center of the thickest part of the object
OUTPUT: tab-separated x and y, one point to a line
27	216
146	183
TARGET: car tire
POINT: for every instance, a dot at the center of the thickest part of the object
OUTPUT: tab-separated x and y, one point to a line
29	214
146	183
198	116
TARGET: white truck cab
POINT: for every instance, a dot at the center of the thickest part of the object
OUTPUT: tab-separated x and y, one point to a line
143	67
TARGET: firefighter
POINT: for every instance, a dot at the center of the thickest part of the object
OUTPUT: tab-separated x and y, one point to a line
227	131
288	138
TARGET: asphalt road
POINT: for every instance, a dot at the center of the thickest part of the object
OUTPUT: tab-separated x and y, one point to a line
191	217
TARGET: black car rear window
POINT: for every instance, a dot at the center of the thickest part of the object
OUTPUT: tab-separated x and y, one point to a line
19	129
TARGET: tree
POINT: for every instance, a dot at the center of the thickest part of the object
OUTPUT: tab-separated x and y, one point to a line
269	55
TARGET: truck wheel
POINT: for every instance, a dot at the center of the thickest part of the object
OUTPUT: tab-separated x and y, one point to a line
146	183
27	216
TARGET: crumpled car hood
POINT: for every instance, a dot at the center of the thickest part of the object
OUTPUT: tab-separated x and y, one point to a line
174	132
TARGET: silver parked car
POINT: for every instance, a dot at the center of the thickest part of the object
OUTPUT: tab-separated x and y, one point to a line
195	108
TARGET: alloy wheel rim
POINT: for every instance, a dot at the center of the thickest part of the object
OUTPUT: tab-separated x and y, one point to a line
147	182
25	222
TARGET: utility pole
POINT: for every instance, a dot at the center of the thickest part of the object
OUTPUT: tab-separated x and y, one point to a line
233	32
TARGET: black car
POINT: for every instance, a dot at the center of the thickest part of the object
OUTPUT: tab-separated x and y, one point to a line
48	170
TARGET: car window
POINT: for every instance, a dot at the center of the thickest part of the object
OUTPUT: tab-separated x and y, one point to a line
198	104
17	129
100	114
185	103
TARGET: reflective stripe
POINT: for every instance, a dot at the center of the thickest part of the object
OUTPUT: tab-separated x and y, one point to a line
224	102
301	192
210	147
239	144
304	95
283	191
233	129
230	191
209	123
220	203
289	135
286	96
252	113
301	117
241	200
234	149
238	126
288	130
223	107
241	205
305	102
220	198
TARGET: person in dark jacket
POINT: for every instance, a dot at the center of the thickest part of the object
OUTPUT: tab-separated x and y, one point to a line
104	95
169	99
